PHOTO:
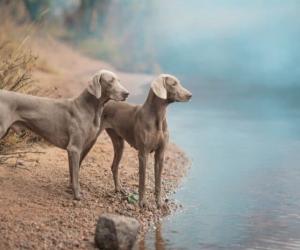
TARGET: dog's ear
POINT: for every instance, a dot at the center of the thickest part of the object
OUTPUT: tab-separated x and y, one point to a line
94	87
158	86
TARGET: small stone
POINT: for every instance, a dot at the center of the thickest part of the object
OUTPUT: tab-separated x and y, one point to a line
130	206
116	232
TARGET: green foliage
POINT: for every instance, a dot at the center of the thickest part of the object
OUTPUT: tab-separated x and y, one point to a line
114	31
133	198
37	8
118	32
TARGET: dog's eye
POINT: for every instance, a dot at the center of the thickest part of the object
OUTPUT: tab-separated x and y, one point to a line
174	83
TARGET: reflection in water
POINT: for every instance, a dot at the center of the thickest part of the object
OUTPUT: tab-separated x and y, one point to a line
158	242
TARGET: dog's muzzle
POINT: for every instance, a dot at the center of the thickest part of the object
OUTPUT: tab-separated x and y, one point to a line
124	95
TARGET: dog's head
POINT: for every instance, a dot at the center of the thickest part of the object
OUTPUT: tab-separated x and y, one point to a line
106	84
168	87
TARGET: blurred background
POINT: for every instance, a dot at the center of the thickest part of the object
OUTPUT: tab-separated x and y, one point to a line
241	60
248	49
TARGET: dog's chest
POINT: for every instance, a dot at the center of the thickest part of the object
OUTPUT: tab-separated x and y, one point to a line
155	143
154	139
91	133
151	134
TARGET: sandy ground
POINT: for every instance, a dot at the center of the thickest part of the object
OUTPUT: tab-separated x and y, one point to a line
37	211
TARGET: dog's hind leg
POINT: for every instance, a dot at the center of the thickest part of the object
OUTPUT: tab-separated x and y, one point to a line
118	144
6	120
3	131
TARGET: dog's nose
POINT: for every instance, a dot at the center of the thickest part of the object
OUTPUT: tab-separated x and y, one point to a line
189	95
125	94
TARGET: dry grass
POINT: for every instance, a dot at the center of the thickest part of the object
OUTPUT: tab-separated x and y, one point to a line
16	65
16	58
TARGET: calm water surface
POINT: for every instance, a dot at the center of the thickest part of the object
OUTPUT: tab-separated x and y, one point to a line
242	191
242	128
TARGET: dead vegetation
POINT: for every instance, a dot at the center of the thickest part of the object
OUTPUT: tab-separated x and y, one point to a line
16	58
16	65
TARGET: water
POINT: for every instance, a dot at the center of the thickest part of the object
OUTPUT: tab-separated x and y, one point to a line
242	191
242	128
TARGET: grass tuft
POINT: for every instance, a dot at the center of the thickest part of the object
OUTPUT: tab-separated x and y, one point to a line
16	65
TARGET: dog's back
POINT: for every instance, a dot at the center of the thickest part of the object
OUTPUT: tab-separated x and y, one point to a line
120	116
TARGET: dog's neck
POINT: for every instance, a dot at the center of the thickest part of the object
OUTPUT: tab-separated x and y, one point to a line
90	100
155	106
91	104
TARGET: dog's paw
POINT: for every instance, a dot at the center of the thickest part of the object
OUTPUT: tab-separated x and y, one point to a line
143	204
77	196
121	190
69	190
158	204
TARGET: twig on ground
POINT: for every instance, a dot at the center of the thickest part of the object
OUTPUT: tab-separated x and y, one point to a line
23	152
5	158
16	165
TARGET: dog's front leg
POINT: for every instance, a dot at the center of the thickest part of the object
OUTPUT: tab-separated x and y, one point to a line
158	167
143	159
74	159
70	171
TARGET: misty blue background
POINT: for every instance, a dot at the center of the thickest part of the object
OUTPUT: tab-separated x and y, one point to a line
240	42
241	59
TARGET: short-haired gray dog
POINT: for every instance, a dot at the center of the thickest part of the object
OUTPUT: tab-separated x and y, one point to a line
144	127
71	124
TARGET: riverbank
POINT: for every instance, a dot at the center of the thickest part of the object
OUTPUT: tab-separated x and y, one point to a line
36	209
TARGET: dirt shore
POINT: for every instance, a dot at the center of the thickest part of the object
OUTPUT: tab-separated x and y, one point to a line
37	210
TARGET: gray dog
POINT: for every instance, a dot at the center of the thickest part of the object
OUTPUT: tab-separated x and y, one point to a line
71	124
144	127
